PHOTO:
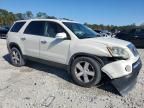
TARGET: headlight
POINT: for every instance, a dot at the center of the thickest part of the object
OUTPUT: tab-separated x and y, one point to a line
118	52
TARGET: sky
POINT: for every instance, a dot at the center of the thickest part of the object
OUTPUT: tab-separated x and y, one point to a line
107	12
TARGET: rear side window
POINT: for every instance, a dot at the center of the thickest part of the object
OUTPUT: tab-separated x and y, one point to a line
35	28
17	26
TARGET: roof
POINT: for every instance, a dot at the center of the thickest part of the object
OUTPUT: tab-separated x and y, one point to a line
56	20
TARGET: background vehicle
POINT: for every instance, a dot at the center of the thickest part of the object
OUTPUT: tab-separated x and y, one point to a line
3	32
77	48
136	36
104	33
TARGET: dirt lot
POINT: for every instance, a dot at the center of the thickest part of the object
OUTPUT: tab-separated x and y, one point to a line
39	86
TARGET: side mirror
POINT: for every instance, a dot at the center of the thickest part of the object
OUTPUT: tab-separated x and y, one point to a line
61	35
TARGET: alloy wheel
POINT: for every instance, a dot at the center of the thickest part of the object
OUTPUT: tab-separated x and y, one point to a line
84	71
16	57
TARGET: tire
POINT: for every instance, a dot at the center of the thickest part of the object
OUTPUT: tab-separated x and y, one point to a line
16	57
91	70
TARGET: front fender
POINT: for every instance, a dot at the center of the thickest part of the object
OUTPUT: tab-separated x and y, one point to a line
99	50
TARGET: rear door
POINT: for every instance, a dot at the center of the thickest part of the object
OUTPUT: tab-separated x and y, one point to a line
31	38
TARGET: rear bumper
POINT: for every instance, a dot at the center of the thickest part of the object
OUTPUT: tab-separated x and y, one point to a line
126	83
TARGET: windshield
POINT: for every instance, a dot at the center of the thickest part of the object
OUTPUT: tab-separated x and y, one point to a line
81	31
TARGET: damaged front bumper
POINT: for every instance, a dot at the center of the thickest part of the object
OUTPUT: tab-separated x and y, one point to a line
126	83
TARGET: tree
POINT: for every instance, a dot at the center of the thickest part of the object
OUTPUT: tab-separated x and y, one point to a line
6	18
51	17
19	16
41	15
11	18
142	25
28	15
1	20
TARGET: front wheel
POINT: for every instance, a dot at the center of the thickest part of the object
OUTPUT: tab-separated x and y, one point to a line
86	71
16	57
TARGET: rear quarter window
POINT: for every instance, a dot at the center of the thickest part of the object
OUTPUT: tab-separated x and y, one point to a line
17	26
35	28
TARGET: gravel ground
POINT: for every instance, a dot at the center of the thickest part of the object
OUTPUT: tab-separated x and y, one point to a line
39	86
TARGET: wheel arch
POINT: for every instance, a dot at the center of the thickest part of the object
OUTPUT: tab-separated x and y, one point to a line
98	59
12	44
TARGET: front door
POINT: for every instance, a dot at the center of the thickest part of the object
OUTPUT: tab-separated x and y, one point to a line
51	48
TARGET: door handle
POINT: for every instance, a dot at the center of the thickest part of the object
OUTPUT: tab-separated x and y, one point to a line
43	42
23	38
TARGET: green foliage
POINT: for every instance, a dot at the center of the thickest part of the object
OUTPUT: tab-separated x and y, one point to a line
113	28
19	16
7	18
41	15
28	15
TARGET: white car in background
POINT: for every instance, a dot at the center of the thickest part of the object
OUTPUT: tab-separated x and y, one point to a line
77	48
104	33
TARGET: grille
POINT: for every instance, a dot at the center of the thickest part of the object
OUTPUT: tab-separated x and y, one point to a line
133	49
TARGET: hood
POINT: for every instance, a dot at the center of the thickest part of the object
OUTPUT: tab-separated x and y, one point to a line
108	41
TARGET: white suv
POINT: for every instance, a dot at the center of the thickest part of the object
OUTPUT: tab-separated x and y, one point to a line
76	47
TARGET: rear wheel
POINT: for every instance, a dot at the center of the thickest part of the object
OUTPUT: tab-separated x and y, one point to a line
16	57
86	71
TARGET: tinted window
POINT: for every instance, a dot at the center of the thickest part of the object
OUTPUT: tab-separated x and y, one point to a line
52	28
17	26
35	28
